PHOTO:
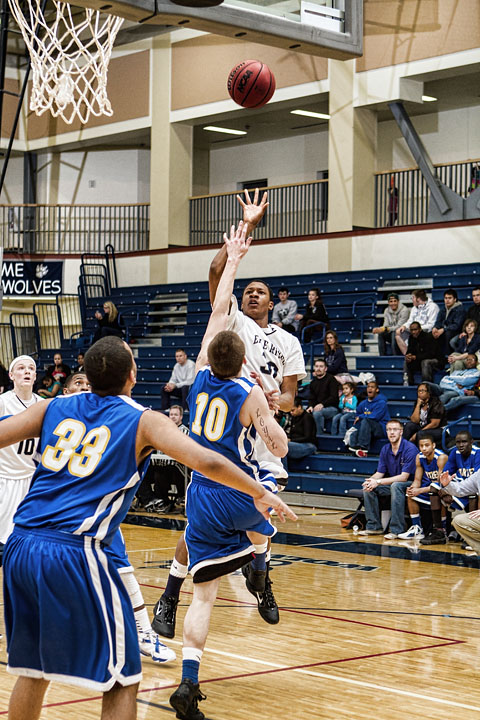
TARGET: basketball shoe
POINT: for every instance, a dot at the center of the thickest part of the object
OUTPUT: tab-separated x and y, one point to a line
185	700
165	616
267	605
150	646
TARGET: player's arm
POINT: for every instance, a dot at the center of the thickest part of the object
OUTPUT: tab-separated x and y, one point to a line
158	431
417	480
236	246
26	424
288	390
252	214
255	410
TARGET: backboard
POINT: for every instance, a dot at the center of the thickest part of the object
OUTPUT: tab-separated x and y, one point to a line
329	28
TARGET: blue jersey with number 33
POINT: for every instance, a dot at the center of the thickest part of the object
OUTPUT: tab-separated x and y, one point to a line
88	474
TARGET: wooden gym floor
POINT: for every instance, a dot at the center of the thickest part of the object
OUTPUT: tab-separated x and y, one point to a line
368	630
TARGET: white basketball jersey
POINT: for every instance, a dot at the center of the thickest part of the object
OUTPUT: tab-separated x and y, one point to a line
17	461
273	353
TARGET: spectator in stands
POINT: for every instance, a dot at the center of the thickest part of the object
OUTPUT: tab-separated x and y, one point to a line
79	366
473	312
183	375
424	489
314	312
50	387
335	356
323	395
59	370
449	320
347	405
395	315
467	342
301	433
423	355
456	384
108	323
428	415
395	472
4	378
284	312
372	416
424	312
392	203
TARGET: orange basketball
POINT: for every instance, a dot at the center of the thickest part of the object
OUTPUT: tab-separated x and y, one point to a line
251	84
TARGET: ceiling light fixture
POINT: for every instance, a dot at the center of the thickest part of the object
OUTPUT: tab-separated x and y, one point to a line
429	98
227	131
310	113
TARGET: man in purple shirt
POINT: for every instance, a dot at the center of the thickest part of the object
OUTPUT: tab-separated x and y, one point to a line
395	472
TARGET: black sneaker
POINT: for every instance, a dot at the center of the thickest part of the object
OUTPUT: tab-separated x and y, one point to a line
436	537
165	615
185	701
267	606
255	579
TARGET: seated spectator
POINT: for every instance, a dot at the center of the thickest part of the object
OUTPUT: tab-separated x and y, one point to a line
108	322
314	312
59	370
335	356
347	405
449	320
395	472
429	466
163	487
301	433
423	355
182	377
468	342
455	386
463	461
428	415
50	387
79	366
323	395
395	315
473	311
284	312
371	418
424	312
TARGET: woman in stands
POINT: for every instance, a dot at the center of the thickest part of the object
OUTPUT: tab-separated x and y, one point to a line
335	357
314	312
428	414
108	322
468	342
50	387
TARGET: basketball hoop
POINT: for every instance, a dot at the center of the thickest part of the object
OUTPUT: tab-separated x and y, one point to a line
69	55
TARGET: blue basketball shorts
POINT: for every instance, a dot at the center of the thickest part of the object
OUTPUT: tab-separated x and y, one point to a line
216	533
68	616
118	553
458	503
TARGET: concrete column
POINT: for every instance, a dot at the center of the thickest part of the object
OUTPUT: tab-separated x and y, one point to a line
171	166
351	163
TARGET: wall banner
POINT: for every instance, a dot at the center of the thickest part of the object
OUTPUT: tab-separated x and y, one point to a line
29	279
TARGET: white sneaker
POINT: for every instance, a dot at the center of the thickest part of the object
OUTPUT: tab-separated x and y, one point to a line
413	532
390	536
370	532
150	646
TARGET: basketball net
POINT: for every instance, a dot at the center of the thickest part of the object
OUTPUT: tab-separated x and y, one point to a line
69	58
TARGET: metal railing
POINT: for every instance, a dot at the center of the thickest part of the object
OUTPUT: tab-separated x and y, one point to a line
402	196
6	346
74	228
294	210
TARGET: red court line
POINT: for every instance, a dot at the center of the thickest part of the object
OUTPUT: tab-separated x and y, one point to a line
271	671
325	617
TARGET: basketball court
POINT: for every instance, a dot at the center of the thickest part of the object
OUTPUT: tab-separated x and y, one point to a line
367	630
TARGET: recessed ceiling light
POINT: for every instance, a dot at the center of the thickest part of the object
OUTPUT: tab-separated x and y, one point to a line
429	98
227	131
310	113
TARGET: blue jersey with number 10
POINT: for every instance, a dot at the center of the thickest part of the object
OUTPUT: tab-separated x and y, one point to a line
88	474
214	408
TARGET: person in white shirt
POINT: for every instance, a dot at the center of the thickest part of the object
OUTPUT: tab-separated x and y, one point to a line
182	377
424	312
16	461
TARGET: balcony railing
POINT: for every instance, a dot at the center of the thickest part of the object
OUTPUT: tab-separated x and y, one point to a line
402	196
73	228
294	210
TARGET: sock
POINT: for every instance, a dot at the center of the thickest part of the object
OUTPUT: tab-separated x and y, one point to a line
177	575
259	561
437	519
416	520
444	523
191	664
142	621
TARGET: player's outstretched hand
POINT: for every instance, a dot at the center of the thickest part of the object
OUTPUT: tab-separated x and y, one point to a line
445	478
269	500
271	396
237	244
253	211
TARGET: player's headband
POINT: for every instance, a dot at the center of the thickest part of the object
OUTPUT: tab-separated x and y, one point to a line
20	358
